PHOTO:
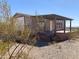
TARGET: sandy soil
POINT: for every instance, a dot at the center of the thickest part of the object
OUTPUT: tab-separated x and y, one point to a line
63	50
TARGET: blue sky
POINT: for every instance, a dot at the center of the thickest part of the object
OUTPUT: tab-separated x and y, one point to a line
68	8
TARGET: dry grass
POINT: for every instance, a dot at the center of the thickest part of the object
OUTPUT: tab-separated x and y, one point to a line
7	29
4	46
74	35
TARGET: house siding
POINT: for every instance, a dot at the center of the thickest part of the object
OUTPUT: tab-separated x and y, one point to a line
33	24
27	21
19	24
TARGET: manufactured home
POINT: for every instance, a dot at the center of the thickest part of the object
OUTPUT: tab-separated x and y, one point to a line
40	23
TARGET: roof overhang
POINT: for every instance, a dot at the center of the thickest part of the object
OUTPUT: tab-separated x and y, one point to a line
53	16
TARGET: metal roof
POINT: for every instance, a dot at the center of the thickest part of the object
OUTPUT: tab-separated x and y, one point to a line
48	16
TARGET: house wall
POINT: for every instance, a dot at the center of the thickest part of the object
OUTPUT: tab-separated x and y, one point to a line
47	25
40	24
35	26
22	22
27	21
34	23
19	24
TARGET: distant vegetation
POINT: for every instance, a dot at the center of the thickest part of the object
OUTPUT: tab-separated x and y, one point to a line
74	34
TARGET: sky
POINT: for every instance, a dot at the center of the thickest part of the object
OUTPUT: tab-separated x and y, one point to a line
68	8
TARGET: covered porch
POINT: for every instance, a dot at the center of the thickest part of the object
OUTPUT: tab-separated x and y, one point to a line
57	18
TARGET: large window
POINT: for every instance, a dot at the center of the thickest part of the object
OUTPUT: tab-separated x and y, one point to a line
59	24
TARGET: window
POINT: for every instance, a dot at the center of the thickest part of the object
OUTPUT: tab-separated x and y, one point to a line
59	25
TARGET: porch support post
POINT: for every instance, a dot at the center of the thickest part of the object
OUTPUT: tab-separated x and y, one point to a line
64	26
70	25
